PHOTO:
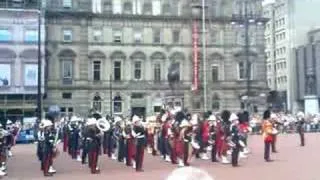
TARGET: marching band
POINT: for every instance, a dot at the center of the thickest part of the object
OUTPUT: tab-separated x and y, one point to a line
177	136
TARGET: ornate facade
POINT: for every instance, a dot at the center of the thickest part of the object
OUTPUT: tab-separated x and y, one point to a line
19	28
114	55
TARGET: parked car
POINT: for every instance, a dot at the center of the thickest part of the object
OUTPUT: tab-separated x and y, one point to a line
26	134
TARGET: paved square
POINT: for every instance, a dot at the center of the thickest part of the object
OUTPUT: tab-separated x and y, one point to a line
292	162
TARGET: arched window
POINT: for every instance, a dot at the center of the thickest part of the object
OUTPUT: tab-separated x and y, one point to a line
127	8
117	104
215	102
166	9
97	105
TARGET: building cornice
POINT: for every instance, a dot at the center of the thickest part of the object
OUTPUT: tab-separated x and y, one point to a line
85	14
161	45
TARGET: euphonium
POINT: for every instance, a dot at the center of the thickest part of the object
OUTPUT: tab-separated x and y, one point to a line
3	133
103	125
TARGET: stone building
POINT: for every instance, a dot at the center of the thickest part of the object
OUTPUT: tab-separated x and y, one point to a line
114	55
308	73
19	27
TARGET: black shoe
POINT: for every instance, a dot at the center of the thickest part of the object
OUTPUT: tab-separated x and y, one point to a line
269	160
48	174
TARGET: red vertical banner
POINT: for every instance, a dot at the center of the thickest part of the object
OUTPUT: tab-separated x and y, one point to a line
195	37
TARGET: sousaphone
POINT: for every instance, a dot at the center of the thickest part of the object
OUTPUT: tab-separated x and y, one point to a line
103	125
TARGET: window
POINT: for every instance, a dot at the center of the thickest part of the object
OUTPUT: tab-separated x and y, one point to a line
117	6
97	105
156	36
117	36
66	95
215	73
96	70
97	35
137	95
241	37
242	70
166	9
156	109
67	35
5	76
214	36
137	70
117	104
157	72
196	104
147	8
67	70
215	102
96	6
117	71
137	36
311	39
127	8
67	3
31	35
5	35
137	7
176	36
70	110
108	7
156	7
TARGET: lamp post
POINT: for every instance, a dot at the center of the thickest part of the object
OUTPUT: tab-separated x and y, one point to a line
247	20
39	93
199	12
110	91
204	55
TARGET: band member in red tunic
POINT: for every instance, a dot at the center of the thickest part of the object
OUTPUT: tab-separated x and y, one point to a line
275	124
65	134
3	151
139	134
129	145
185	152
47	147
10	138
165	130
205	128
213	137
93	135
267	133
225	127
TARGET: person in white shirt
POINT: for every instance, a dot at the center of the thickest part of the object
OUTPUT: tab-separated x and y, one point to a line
189	173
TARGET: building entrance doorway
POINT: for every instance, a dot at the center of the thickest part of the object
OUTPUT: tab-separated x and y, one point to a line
139	111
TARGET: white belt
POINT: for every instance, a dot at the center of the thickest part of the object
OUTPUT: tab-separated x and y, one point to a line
139	137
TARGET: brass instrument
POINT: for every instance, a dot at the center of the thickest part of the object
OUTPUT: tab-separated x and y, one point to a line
103	125
3	133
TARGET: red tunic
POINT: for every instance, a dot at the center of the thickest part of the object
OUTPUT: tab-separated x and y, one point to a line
205	129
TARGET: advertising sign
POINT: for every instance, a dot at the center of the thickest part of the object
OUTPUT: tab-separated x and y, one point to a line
195	37
30	74
5	75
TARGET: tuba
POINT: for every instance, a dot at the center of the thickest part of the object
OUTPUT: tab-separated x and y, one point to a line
3	133
103	125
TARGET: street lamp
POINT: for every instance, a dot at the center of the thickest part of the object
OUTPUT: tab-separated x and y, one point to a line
246	20
110	91
39	93
198	9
